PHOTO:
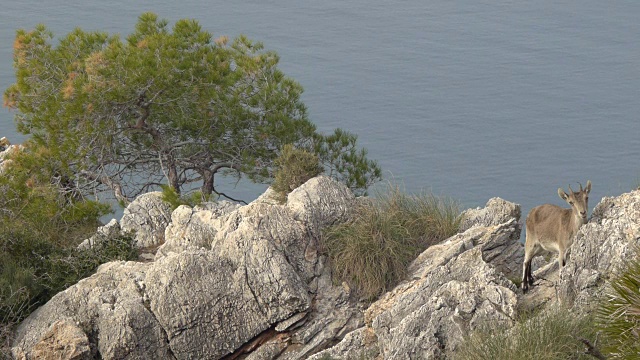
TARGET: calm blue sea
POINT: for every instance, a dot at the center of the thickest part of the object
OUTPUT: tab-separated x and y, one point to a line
471	99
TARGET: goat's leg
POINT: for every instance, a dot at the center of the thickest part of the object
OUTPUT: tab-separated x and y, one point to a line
527	279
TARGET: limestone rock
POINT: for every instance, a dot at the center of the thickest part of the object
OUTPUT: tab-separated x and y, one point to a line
245	280
63	340
600	249
111	308
194	227
496	211
453	288
104	233
5	150
358	344
148	216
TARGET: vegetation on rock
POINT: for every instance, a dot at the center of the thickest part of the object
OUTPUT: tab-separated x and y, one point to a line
619	313
553	334
293	168
372	251
41	222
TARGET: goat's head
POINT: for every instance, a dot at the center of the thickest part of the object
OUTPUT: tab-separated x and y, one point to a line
579	200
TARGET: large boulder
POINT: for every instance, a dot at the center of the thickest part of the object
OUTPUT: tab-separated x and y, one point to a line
147	216
233	279
110	307
496	211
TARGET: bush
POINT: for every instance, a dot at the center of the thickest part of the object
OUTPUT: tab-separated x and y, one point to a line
619	314
553	334
372	251
42	220
174	199
293	168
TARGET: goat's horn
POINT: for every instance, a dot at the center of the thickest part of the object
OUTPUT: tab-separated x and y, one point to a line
580	186
570	189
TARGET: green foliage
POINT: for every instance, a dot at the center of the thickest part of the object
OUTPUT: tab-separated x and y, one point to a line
191	107
343	160
619	313
554	334
293	168
373	250
42	220
174	199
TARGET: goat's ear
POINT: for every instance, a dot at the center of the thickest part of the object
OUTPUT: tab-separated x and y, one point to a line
563	195
588	188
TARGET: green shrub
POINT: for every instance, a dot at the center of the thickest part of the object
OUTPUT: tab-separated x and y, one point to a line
42	220
293	168
619	314
372	251
553	334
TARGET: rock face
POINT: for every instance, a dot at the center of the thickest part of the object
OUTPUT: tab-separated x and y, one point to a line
64	340
250	283
240	278
454	288
600	249
194	227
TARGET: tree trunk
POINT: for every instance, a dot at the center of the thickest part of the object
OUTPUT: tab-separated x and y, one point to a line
207	183
173	178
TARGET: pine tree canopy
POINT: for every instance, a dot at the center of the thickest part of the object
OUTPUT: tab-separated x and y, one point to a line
166	106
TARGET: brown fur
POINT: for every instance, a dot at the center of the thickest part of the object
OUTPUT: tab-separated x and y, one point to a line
552	228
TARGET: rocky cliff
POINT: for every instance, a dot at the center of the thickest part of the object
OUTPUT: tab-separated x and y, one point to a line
250	282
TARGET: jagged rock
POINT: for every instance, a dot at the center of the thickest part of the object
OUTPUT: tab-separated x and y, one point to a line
104	233
148	216
600	249
259	280
194	227
111	308
358	344
63	340
453	288
496	211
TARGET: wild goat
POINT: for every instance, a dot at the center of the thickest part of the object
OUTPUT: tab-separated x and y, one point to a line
552	228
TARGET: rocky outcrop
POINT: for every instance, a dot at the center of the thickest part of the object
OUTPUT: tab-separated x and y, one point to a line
147	216
250	282
454	288
253	276
496	211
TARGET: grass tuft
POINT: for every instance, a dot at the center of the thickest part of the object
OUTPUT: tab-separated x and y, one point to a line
372	251
619	313
550	335
294	167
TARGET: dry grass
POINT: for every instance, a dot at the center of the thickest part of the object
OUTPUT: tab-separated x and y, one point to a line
552	335
373	250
